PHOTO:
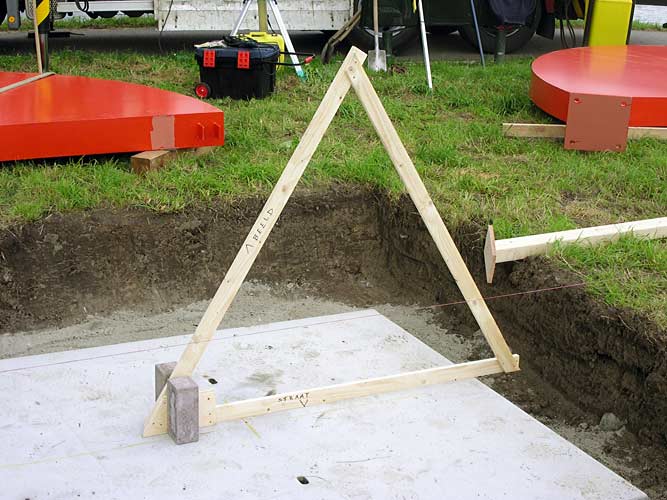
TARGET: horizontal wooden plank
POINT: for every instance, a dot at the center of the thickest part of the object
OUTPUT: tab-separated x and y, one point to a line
329	394
557	131
533	130
538	244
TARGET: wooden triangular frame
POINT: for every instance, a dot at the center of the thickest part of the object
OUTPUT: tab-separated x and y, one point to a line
350	74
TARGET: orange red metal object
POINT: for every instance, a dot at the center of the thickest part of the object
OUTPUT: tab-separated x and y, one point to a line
636	72
75	116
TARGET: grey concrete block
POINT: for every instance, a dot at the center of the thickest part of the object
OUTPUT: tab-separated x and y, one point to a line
183	409
162	373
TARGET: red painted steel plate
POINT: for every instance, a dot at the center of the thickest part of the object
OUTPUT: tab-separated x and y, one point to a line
635	71
597	122
73	116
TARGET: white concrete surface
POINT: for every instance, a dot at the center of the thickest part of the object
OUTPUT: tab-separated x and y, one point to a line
70	426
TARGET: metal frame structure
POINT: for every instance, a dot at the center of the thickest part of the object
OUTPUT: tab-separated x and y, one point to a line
273	4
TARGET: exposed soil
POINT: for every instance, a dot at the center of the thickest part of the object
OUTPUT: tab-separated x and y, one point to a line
108	276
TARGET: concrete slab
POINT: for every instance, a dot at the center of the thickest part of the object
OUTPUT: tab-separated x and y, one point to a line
70	425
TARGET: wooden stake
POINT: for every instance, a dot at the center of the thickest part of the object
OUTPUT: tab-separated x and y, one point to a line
497	251
35	27
490	254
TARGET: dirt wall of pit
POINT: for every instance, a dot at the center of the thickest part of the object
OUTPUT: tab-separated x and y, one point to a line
602	358
59	270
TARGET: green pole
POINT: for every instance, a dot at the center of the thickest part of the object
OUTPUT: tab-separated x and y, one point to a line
262	15
501	41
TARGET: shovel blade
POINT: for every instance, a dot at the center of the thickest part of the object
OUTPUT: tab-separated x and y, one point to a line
377	60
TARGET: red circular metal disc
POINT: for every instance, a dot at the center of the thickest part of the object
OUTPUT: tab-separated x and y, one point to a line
635	71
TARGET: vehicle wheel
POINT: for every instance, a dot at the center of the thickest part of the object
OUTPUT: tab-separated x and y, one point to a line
442	30
516	38
134	13
3	11
202	90
363	37
107	14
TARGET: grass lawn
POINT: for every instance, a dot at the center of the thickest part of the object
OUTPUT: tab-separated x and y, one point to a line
454	136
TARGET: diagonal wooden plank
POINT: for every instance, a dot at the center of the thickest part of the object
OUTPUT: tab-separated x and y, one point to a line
156	423
436	227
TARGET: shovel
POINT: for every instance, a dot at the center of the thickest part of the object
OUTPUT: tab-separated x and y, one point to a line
377	59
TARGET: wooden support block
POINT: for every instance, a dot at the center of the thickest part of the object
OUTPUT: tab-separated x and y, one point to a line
150	160
183	400
155	160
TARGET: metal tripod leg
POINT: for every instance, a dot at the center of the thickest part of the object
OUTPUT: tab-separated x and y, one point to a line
239	21
288	41
479	38
427	59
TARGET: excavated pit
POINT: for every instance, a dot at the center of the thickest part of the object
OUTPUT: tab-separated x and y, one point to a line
580	358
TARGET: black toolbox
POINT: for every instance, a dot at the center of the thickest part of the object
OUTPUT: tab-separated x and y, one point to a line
245	71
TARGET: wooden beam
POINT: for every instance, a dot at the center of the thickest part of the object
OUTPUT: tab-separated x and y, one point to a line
329	394
539	244
429	214
156	422
150	160
557	131
155	160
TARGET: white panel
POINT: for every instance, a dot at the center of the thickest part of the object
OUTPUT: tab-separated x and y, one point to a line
299	15
70	426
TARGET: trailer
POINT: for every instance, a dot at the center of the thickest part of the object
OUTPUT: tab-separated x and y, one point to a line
194	15
397	18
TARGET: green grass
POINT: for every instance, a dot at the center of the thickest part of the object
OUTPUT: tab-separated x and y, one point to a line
644	26
631	272
454	136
